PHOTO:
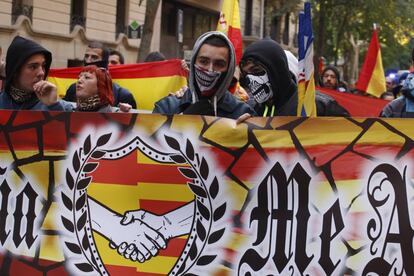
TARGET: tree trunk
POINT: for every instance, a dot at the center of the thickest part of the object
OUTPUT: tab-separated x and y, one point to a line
320	39
150	14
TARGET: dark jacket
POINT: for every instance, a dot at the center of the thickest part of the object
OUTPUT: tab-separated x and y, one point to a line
285	95
396	109
222	103
121	95
18	52
228	106
6	102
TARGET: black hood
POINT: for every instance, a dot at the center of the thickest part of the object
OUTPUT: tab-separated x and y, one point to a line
271	55
333	69
19	51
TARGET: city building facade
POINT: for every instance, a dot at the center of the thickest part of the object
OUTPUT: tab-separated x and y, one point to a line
66	26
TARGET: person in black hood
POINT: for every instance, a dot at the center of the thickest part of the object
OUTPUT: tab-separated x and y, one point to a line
97	54
27	66
331	79
266	75
212	68
272	85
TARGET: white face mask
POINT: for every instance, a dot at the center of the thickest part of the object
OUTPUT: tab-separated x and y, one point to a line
259	86
206	80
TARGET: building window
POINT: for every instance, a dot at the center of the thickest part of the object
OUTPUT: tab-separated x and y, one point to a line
248	18
22	7
121	17
286	30
77	14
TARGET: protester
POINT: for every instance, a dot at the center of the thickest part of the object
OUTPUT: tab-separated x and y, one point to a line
115	58
94	90
211	72
388	96
271	84
331	79
25	88
155	56
389	83
97	54
401	76
402	107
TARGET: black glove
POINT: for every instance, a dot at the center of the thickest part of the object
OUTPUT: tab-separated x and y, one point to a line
202	107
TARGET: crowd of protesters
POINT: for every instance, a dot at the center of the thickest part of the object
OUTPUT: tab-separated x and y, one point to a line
263	84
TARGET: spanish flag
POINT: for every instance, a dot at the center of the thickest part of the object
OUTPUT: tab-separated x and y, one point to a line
306	83
148	82
229	23
372	78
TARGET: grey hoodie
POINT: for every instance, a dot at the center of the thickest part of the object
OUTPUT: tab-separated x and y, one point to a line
224	86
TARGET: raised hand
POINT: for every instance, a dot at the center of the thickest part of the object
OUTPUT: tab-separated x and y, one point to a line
46	92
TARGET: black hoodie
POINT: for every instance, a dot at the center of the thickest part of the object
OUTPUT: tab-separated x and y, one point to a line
336	72
19	51
271	55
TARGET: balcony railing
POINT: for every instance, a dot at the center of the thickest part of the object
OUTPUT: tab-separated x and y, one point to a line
77	20
21	9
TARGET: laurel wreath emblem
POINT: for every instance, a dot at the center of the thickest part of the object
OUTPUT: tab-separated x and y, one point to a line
203	231
209	208
86	256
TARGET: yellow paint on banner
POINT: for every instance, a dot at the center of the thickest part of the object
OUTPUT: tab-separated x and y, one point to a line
378	130
226	133
274	138
190	124
402	125
328	132
50	249
149	126
22	154
239	194
49	222
237	241
118	197
167	192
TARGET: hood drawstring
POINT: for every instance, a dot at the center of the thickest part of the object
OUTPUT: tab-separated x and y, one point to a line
272	113
215	105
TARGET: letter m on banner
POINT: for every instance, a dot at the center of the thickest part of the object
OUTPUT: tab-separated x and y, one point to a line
306	84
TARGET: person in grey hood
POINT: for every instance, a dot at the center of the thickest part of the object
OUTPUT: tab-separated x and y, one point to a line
27	66
272	85
212	68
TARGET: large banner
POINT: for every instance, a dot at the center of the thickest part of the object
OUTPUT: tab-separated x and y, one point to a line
146	194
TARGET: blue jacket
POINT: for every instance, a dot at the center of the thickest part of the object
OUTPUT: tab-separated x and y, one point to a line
228	106
6	102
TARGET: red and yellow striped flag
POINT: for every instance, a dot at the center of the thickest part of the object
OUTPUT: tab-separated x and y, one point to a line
148	82
372	78
229	23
